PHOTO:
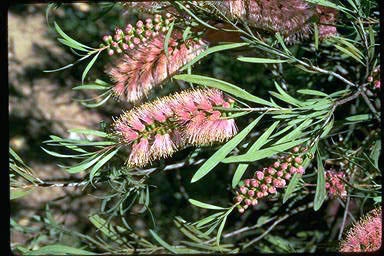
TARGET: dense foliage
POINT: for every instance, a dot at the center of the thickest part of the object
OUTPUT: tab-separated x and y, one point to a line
231	122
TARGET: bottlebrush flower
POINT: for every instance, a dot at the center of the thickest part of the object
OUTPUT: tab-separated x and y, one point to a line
291	18
334	184
145	64
366	235
157	129
267	180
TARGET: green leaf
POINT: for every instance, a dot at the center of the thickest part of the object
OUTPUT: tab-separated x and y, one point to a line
212	50
375	153
70	40
89	132
88	67
16	193
350	54
281	41
13	153
220	230
260	60
71	45
194	16
222	152
65	156
58	249
327	128
312	92
85	165
264	153
208	219
224	86
291	186
256	146
90	87
204	205
320	194
286	96
94	105
166	39
162	242
102	162
363	117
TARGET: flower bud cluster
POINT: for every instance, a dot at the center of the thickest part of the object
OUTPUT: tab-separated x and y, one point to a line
157	129
132	37
375	78
366	235
334	183
267	180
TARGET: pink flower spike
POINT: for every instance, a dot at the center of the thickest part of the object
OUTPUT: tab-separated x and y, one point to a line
139	154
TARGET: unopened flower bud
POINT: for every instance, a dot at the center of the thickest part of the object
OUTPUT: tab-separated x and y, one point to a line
370	79
243	190
271	171
298	160
254	202
247	182
110	52
241	210
117	37
287	176
251	193
268	179
284	166
377	84
293	170
254	183
272	190
296	149
259	194
248	202
264	187
276	164
259	175
239	198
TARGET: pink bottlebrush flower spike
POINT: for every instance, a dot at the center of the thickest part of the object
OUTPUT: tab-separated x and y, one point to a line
366	235
145	64
157	129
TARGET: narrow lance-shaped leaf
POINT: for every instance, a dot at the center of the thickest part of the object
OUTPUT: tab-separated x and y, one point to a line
223	152
320	186
256	146
204	205
90	64
162	242
212	50
224	86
